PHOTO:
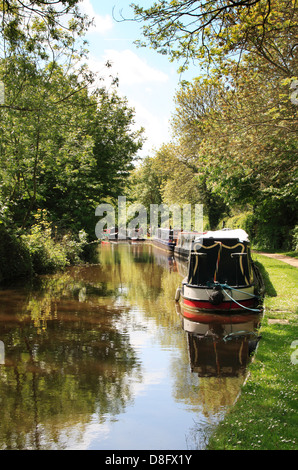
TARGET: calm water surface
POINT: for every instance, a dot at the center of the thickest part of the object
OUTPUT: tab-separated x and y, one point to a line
98	358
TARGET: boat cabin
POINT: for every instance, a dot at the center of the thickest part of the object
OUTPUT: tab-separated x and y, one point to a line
222	257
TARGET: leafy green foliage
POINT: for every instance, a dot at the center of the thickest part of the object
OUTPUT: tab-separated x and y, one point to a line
47	18
49	253
15	259
66	145
235	125
209	32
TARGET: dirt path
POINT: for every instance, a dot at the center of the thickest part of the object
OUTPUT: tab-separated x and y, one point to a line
286	259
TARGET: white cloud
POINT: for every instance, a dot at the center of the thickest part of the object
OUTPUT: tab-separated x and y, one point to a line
144	86
131	69
101	24
156	127
128	67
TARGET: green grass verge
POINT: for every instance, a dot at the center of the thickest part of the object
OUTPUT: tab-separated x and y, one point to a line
265	416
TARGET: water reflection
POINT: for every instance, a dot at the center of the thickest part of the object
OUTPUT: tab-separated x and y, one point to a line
220	348
64	360
96	358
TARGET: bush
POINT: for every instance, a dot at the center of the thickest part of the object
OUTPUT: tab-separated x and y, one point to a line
237	221
295	238
269	234
39	251
266	230
48	253
74	248
15	260
46	256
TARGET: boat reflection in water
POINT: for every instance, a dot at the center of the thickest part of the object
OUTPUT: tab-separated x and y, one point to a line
220	345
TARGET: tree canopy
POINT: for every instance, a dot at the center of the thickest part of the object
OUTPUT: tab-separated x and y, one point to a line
235	124
66	145
209	31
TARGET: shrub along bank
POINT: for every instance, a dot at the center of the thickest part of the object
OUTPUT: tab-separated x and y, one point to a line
265	234
265	416
15	260
39	251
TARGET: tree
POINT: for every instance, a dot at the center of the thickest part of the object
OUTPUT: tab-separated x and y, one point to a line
95	163
245	145
179	176
41	133
209	31
64	146
61	148
48	17
115	143
145	183
236	122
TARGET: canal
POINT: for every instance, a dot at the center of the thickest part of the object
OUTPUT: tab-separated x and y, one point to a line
99	357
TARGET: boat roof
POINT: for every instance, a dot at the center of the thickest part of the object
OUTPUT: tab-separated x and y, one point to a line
237	234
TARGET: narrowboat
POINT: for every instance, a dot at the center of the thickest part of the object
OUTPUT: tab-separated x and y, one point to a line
184	243
165	238
110	233
136	234
221	275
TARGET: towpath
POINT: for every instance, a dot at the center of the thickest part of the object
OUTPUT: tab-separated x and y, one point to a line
286	259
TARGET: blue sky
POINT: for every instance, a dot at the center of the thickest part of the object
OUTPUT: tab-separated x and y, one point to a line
146	78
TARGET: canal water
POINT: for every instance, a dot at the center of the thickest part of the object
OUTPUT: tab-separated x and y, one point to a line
99	357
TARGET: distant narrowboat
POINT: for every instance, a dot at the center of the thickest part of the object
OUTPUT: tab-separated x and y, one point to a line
184	244
165	238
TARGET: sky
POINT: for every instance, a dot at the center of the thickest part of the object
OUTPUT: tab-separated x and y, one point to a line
147	79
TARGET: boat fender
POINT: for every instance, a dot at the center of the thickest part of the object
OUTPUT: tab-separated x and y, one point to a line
177	295
216	297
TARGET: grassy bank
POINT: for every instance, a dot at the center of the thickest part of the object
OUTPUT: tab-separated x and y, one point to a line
265	416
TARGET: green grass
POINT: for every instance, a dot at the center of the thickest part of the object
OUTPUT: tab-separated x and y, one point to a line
281	300
265	416
293	254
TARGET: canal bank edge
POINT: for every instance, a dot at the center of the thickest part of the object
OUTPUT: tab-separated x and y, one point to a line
265	415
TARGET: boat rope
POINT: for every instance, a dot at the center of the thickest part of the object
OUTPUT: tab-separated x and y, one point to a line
237	334
257	310
226	286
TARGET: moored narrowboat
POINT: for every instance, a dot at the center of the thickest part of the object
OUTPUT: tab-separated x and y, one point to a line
165	238
184	243
110	233
221	275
